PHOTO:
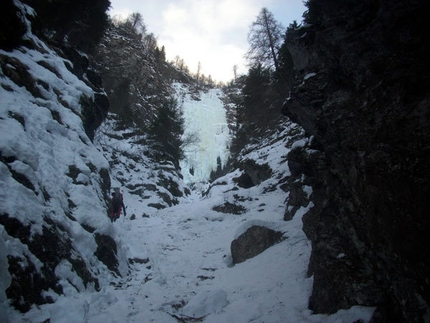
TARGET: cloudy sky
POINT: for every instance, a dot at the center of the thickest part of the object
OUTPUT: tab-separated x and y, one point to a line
212	32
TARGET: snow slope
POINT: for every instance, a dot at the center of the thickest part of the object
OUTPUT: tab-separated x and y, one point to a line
181	267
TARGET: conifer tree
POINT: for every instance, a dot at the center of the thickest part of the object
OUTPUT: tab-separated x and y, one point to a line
265	37
166	132
136	22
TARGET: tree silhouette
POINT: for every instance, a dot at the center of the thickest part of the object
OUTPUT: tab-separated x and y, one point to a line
166	132
80	23
136	21
265	37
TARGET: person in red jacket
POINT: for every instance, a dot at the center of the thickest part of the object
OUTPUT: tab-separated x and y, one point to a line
117	203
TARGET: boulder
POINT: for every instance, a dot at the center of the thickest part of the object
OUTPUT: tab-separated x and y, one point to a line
253	242
253	173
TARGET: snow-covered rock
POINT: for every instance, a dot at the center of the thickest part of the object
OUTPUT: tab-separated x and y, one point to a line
252	242
53	183
205	303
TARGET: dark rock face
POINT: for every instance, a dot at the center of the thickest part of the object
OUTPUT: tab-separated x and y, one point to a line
298	165
230	208
94	112
253	174
367	108
50	248
11	27
253	242
106	252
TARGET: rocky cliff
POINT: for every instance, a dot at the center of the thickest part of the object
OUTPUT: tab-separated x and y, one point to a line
54	183
362	96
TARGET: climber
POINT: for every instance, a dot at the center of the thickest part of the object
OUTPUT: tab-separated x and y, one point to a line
116	203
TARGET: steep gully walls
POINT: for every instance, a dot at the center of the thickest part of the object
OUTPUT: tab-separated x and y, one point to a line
366	104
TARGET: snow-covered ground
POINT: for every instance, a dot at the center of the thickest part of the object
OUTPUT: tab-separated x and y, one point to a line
182	268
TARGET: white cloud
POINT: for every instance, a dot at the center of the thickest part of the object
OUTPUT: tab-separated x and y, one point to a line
212	32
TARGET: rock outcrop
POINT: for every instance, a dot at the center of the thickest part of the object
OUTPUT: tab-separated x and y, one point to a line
54	183
253	242
363	97
253	174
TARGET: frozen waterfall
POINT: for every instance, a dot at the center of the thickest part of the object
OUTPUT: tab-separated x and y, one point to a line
206	134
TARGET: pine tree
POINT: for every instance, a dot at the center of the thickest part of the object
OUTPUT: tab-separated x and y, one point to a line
256	93
166	132
286	73
264	39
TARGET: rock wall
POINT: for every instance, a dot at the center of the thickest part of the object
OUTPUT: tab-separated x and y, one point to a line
363	97
55	236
